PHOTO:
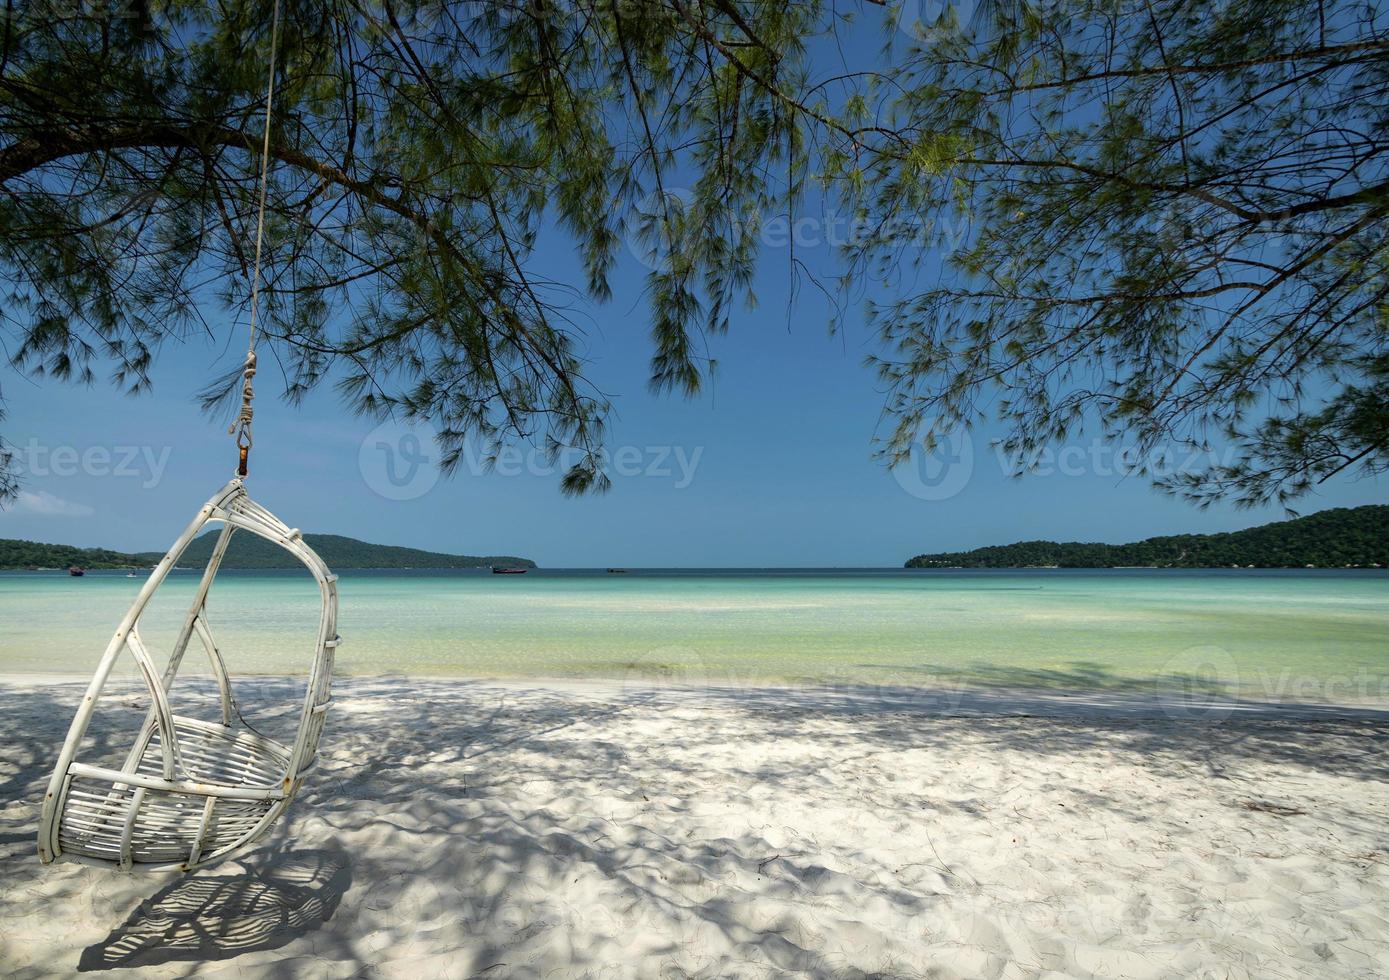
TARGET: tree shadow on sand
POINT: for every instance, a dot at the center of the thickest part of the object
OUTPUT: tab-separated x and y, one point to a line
467	803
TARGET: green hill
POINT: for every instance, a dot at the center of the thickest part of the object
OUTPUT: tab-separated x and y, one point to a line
1355	536
248	551
15	553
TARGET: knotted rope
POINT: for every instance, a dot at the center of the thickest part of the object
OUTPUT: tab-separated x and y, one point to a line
242	426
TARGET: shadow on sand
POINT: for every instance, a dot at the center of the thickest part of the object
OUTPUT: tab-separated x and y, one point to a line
209	917
473	798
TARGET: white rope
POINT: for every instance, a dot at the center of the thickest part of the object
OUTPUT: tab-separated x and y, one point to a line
242	425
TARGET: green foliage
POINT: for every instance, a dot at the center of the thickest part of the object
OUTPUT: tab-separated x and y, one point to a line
1357	536
1174	221
1164	219
249	552
419	149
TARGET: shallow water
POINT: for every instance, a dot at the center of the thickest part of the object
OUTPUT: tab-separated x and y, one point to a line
1294	634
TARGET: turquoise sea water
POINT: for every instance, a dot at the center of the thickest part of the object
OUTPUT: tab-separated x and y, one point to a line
1288	634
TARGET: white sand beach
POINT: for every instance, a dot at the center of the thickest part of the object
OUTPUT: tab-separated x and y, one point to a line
458	829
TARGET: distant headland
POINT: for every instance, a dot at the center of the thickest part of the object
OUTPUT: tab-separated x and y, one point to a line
1345	537
248	552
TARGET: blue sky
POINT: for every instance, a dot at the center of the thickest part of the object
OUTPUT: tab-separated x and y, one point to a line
772	466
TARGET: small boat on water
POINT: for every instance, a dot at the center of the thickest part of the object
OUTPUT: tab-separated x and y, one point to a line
504	570
76	572
617	571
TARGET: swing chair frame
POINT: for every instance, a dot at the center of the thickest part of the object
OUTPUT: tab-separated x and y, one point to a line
190	791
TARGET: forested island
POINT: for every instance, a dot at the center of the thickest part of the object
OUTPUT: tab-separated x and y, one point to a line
17	554
1338	538
248	552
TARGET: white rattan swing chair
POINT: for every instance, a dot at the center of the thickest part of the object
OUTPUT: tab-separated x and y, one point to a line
192	791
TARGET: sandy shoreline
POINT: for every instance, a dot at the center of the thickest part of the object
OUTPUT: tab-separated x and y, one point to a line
528	828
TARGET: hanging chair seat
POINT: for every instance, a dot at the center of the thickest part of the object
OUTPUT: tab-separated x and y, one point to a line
191	791
216	754
168	826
